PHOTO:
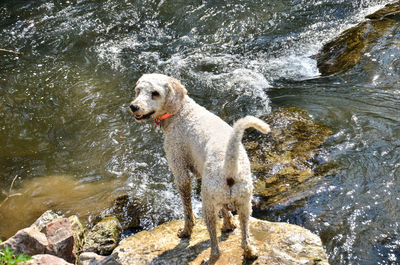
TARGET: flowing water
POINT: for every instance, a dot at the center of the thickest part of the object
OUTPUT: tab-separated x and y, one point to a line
66	134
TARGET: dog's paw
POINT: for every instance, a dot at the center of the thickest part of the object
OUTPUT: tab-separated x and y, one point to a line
212	260
228	227
183	233
250	253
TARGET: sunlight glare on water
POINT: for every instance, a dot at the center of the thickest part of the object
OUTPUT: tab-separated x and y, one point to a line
66	133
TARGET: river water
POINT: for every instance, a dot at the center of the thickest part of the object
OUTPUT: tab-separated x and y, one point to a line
66	135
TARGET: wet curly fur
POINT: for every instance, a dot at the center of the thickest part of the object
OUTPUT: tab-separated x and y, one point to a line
199	142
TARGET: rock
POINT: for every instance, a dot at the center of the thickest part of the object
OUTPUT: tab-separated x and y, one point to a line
89	258
61	239
44	219
350	47
78	231
287	160
128	210
103	237
29	241
46	259
277	243
49	234
390	10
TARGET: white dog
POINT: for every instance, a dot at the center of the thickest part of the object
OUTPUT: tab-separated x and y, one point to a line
199	142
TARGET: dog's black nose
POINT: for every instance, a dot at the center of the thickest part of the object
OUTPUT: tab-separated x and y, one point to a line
134	108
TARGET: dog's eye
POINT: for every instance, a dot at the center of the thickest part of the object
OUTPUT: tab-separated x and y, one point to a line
137	91
155	94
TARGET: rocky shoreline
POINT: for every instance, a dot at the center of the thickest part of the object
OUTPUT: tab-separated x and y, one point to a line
281	163
56	240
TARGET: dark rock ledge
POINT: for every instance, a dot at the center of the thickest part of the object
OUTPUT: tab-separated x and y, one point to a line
352	45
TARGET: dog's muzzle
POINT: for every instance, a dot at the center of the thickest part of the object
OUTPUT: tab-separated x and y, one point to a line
133	108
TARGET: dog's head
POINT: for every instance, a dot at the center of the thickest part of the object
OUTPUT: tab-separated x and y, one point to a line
156	95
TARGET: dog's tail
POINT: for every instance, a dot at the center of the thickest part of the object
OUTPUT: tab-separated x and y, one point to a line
232	151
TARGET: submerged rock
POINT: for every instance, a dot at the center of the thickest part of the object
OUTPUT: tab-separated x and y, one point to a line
277	243
287	159
103	237
349	48
128	210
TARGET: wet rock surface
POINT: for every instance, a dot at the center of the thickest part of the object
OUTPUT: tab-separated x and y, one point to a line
287	160
354	44
129	211
103	237
277	243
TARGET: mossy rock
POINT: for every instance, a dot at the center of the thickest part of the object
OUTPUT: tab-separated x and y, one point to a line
129	211
277	243
288	158
349	48
103	237
79	232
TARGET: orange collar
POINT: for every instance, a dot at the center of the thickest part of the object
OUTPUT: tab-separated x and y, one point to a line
162	117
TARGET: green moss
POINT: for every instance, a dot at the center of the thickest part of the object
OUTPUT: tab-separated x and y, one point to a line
103	237
285	159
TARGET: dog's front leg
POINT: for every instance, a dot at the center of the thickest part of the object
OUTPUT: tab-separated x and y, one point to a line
177	160
185	191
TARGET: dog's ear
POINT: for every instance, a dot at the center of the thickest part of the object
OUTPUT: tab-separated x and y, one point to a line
176	94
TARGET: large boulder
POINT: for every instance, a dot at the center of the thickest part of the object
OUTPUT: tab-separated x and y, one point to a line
277	243
289	159
355	43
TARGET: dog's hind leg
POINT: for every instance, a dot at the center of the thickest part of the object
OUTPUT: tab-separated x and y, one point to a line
228	224
244	211
210	218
